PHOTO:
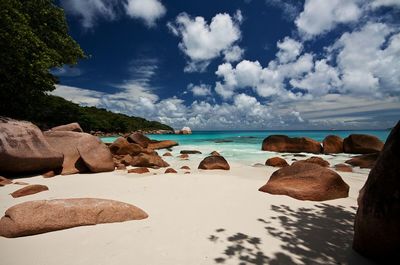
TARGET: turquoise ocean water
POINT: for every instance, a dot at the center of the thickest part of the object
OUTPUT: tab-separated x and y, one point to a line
244	146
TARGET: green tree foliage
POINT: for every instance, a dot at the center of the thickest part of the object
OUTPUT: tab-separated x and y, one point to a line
33	39
57	111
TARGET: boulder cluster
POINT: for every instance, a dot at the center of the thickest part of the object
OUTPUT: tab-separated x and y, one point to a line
25	149
367	146
332	144
139	151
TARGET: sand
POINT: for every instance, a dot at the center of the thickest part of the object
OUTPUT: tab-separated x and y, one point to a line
206	217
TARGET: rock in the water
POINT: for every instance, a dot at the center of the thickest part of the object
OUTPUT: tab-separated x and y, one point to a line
343	168
185	167
214	162
316	160
377	223
162	144
190	152
363	161
71	127
362	144
167	154
121	146
146	160
276	162
23	149
332	144
185	130
283	143
307	181
139	170
170	170
29	190
139	139
215	153
37	217
5	181
82	152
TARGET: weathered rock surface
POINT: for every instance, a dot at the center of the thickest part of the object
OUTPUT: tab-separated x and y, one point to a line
82	152
71	127
214	162
146	160
332	144
170	170
184	156
185	167
51	173
162	144
283	143
139	139
343	168
29	190
190	152
276	162
167	154
307	181
362	144
316	160
36	217
24	149
363	161
139	170
215	153
376	228
121	146
5	181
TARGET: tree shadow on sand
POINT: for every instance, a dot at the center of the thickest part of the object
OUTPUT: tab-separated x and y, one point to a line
320	235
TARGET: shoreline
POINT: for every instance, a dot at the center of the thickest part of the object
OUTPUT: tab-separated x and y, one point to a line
193	219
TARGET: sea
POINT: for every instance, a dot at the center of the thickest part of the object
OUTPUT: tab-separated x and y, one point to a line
244	146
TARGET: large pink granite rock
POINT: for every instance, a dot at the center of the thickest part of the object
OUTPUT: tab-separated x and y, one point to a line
307	181
24	149
36	217
377	222
283	143
82	152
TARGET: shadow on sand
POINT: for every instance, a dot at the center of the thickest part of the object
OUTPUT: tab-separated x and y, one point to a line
321	235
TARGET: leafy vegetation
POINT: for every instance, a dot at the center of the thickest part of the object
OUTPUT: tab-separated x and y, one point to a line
33	40
57	111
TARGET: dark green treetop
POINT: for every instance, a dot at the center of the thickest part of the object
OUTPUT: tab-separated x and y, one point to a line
33	39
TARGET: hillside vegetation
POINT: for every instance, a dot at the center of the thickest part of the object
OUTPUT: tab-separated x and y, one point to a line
55	111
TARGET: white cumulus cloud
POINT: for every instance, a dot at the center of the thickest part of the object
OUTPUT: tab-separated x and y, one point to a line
320	16
147	10
201	90
201	41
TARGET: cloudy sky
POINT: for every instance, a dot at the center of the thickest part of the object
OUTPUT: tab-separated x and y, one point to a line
239	64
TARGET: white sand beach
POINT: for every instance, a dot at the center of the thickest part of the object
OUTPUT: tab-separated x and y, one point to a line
205	217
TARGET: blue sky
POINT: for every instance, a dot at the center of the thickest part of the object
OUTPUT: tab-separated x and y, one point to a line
238	64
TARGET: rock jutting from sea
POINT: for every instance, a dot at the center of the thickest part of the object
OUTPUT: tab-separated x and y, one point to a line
332	144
